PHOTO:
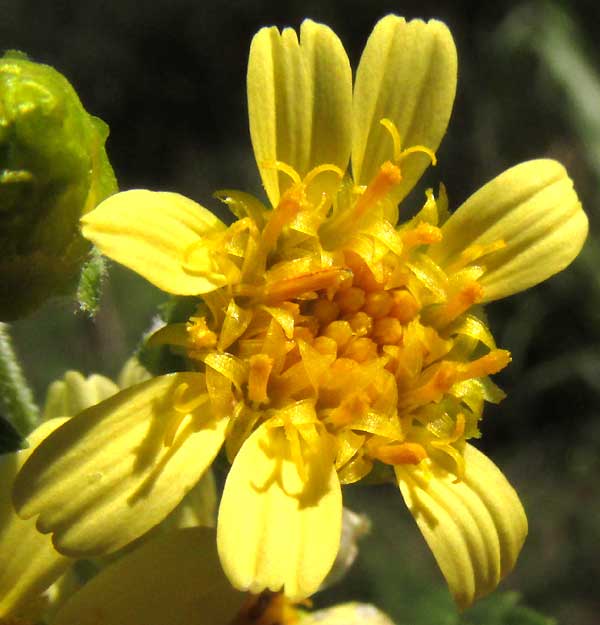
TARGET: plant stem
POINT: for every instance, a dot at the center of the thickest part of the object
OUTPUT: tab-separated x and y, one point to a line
16	398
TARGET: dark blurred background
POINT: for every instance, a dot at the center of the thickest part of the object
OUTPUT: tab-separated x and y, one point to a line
168	76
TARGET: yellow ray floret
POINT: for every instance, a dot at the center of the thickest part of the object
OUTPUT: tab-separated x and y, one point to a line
475	527
116	459
291	528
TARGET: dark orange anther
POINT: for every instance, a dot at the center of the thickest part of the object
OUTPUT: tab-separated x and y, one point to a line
489	364
387	178
422	234
300	285
284	213
456	305
400	453
350	409
258	377
433	389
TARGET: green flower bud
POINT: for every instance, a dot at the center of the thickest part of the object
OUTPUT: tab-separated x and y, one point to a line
53	169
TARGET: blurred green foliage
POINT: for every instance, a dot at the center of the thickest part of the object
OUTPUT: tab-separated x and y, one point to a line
169	77
10	440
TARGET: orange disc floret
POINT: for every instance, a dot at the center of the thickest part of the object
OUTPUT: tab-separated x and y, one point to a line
400	453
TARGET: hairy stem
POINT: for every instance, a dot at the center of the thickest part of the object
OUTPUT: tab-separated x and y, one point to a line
16	398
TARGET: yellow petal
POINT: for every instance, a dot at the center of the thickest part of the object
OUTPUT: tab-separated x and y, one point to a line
106	476
28	561
174	579
198	508
407	74
158	235
475	528
74	393
274	529
299	101
534	209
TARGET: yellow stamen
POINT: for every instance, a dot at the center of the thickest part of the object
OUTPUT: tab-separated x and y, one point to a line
310	176
284	168
419	148
313	173
389	125
399	153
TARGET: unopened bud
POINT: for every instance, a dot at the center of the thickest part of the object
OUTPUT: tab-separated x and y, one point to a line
53	169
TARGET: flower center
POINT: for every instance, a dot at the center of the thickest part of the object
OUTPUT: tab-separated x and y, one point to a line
338	324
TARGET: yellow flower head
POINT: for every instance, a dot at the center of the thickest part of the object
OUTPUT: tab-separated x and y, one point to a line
329	339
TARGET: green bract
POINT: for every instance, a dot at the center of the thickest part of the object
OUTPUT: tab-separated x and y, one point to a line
53	169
